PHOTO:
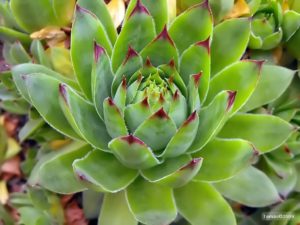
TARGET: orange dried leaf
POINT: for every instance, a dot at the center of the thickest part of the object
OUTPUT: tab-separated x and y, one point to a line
240	8
116	9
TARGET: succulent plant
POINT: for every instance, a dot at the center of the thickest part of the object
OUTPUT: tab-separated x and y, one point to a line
159	114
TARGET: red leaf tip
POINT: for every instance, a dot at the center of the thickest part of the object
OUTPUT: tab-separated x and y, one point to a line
231	98
176	95
196	78
124	83
139	8
148	62
161	98
130	54
130	139
83	10
98	51
110	101
161	114
164	35
191	118
63	91
145	102
205	44
192	164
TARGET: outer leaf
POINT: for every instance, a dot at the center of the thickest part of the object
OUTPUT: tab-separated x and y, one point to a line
10	35
99	8
223	158
39	54
185	32
115	211
84	117
211	118
133	153
198	195
104	171
137	32
151	203
43	93
241	77
290	24
273	82
250	187
86	30
229	43
266	132
45	171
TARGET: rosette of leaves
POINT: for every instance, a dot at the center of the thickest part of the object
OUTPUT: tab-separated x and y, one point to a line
156	117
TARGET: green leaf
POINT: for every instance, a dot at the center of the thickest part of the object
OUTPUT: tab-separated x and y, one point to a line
43	92
250	187
82	115
157	130
290	24
194	60
151	203
223	158
273	82
292	45
200	203
115	211
54	171
91	203
161	50
230	40
86	30
104	171
266	132
19	54
39	54
99	8
133	153
211	118
185	32
136	33
241	77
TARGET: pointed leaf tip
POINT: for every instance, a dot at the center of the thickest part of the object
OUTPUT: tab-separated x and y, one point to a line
130	139
231	98
196	78
131	53
259	63
139	8
176	95
148	62
191	118
161	98
124	82
205	44
145	102
161	114
164	35
172	63
80	9
98	51
192	164
63	91
110	101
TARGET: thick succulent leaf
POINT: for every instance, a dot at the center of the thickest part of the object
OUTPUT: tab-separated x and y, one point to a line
241	77
273	82
157	130
211	118
39	54
99	8
199	203
120	96
183	138
102	78
292	45
137	32
55	13
158	10
223	158
185	32
132	152
250	187
174	172
43	93
23	69
161	50
151	203
194	60
193	93
86	30
54	171
115	211
266	132
113	119
84	117
19	54
290	24
104	171
10	35
178	110
230	40
133	88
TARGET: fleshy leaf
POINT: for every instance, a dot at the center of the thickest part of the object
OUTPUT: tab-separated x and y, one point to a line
185	32
104	171
115	211
43	93
151	203
137	32
223	158
39	54
207	199
230	40
273	82
86	30
161	50
257	189
10	35
241	77
157	130
266	132
178	110
193	93
290	24
183	138
132	152
211	118
84	117
113	119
